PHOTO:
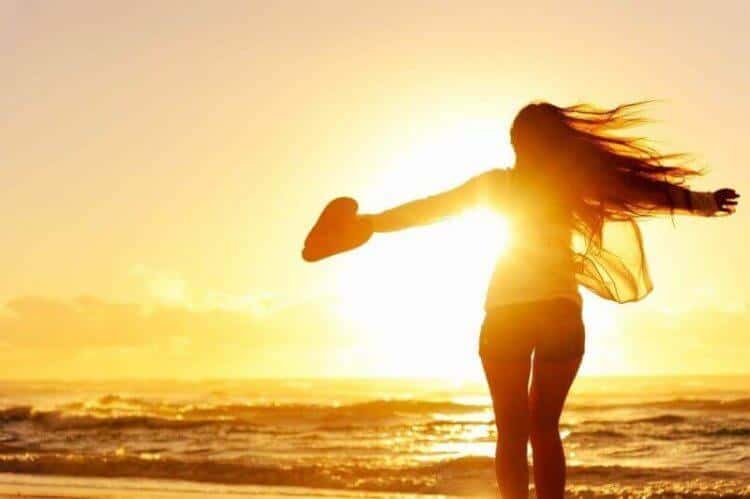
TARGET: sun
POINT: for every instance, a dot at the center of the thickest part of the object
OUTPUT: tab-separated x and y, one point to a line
416	297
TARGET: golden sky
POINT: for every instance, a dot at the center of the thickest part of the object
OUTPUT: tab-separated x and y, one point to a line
161	162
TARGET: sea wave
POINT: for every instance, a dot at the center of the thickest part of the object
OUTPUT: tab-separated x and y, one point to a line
380	415
685	404
246	416
58	420
599	434
729	432
658	420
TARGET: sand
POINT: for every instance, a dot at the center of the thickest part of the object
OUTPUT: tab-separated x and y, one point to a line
55	487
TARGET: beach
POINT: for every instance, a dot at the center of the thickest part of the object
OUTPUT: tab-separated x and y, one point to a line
625	437
52	487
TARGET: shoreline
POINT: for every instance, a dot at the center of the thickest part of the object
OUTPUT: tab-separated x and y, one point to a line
25	486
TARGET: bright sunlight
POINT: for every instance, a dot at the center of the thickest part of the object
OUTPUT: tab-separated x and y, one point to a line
417	300
425	289
424	293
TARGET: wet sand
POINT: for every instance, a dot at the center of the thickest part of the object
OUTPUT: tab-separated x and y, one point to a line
60	487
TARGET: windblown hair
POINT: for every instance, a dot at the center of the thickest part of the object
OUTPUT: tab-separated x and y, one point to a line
603	171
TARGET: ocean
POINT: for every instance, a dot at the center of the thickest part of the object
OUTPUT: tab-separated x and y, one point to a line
624	436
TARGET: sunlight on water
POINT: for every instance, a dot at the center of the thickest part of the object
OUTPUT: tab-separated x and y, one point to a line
463	449
390	435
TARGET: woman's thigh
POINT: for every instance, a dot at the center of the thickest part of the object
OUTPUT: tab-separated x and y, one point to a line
554	331
508	381
550	383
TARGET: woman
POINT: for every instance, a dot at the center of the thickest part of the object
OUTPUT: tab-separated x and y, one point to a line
572	198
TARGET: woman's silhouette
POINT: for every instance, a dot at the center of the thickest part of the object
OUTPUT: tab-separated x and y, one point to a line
572	199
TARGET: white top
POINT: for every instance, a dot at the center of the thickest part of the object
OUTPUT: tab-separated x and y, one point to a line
535	269
539	264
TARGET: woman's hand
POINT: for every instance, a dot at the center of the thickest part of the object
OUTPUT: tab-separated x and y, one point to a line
339	228
726	200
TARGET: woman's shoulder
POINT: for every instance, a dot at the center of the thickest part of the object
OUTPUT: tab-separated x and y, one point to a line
492	185
499	171
496	176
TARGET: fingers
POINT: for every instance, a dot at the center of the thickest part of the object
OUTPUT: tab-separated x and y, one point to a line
727	192
727	199
728	206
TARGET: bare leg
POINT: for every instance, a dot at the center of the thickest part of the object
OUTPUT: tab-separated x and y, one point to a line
549	388
508	382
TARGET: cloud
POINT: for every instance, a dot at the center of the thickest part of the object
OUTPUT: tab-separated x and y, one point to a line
165	287
698	340
171	289
90	337
101	338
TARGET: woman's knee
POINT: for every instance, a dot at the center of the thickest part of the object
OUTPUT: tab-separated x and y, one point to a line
543	426
513	440
513	434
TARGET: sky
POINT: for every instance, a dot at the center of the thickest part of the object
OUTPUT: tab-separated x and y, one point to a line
161	163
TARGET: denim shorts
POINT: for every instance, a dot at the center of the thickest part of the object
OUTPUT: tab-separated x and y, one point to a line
552	329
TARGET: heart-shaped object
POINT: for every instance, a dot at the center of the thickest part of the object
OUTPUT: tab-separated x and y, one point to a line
338	229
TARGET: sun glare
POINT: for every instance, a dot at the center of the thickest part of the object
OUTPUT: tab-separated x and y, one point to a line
416	299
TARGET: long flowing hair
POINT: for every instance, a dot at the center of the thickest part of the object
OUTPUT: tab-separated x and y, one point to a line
606	175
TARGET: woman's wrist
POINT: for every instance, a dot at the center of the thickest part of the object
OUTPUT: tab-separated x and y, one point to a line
370	220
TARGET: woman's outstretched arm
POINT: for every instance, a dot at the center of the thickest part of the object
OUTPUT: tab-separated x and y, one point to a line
477	190
662	197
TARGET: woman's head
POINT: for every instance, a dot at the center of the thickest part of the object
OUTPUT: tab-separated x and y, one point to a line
539	133
580	152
